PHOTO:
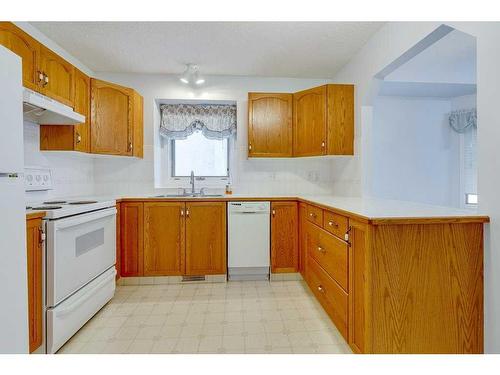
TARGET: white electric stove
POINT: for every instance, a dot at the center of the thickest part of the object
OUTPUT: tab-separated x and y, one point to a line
79	263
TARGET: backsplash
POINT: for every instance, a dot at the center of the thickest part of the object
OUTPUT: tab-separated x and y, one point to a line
72	173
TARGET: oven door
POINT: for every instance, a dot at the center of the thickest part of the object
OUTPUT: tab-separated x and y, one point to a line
79	248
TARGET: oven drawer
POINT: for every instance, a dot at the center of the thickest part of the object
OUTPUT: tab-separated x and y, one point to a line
79	248
68	317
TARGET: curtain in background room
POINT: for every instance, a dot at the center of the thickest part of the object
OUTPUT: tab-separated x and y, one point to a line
215	121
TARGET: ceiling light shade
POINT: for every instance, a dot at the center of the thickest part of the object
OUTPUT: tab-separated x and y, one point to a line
192	75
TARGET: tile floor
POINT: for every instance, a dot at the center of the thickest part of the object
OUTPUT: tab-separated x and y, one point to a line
233	317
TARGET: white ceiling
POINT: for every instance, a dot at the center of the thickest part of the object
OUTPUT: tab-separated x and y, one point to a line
273	49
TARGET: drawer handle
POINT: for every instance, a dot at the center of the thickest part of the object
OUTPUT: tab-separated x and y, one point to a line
321	289
333	224
321	250
312	215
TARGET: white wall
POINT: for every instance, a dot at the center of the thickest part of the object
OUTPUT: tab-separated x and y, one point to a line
284	176
415	154
383	48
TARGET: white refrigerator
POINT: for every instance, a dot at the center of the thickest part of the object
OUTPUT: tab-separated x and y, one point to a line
13	272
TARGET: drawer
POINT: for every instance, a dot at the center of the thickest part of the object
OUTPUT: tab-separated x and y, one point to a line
315	215
335	224
330	252
329	294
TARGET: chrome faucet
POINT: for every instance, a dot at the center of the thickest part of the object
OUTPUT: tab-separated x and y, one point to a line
191	181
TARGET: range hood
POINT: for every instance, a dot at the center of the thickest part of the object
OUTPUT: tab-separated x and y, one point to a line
43	110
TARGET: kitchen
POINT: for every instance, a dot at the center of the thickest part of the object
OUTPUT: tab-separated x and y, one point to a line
194	211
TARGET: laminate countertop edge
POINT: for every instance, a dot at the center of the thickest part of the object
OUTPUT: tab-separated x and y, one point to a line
417	213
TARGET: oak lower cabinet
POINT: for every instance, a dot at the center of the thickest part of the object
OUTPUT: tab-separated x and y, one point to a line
173	238
284	237
205	238
71	137
269	124
132	238
164	228
116	120
35	282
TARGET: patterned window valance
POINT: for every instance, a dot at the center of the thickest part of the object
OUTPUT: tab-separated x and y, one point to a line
462	120
216	121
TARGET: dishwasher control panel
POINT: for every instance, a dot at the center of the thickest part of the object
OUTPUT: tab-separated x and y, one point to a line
250	207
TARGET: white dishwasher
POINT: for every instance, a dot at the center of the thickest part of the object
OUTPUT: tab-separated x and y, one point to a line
248	240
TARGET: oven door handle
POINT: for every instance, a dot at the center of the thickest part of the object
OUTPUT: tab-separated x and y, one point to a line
81	219
86	296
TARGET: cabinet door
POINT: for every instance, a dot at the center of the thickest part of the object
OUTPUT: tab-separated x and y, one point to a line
269	125
205	238
131	231
340	120
309	122
34	260
302	238
164	238
59	76
111	118
26	47
359	239
82	106
284	237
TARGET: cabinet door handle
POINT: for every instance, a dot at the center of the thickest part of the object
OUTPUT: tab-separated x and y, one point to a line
40	77
41	235
323	144
182	212
187	213
46	79
130	146
333	224
321	250
250	147
78	138
321	289
274	212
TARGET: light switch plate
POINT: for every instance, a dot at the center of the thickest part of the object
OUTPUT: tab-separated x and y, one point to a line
37	179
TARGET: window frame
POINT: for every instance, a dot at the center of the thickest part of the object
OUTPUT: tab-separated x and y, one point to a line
172	164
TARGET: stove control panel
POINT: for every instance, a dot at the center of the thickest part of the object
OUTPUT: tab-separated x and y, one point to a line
37	179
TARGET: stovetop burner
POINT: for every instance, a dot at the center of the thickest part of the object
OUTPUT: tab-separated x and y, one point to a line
43	208
55	202
82	202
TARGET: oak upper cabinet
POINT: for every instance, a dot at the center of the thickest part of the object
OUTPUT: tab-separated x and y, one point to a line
71	137
132	240
340	123
35	282
205	238
116	120
309	122
19	42
164	238
323	121
284	237
58	76
269	124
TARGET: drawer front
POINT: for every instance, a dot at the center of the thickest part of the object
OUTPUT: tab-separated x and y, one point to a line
335	224
329	294
315	215
330	253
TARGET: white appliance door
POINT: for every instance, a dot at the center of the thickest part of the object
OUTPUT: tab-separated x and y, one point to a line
11	113
13	274
67	318
249	235
79	248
